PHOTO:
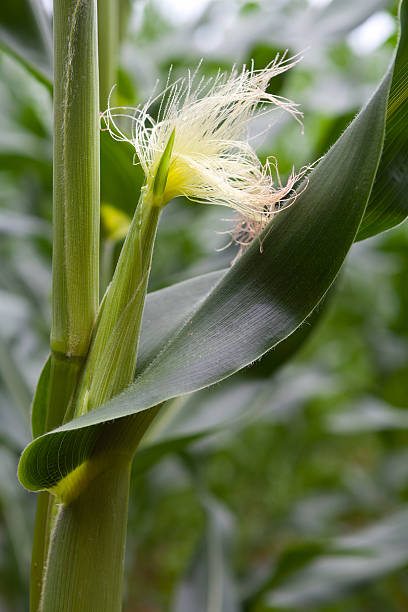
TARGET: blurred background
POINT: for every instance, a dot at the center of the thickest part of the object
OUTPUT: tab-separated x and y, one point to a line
285	488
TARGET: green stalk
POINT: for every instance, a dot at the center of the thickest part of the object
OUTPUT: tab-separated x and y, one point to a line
86	559
85	565
75	227
86	553
63	379
76	177
86	556
108	44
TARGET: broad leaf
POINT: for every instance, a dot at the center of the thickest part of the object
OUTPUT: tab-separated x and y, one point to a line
192	417
222	407
388	205
183	420
255	306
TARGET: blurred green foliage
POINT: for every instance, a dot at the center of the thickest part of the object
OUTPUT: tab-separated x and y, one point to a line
302	501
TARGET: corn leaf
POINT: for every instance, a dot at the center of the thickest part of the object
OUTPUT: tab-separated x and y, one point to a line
256	305
388	205
25	33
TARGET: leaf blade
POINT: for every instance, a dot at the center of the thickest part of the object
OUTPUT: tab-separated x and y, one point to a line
253	307
388	204
25	33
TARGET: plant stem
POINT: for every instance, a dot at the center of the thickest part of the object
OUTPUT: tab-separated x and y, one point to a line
86	552
63	378
75	265
91	522
108	44
41	540
86	558
76	176
85	565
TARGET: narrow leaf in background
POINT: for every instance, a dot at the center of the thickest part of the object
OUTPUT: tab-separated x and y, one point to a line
25	31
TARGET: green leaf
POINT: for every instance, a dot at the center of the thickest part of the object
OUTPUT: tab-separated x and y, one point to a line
296	556
225	406
40	401
348	562
25	33
388	204
256	305
208	585
162	172
367	414
167	310
183	420
16	511
13	376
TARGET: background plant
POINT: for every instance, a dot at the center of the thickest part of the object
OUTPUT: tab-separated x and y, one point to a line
231	459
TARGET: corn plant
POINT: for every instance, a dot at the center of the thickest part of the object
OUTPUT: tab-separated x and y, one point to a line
117	363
